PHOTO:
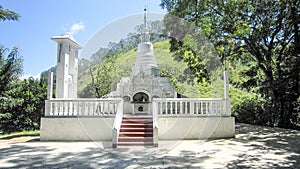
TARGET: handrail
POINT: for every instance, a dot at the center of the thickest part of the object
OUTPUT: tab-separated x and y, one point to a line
188	99
86	99
117	124
155	123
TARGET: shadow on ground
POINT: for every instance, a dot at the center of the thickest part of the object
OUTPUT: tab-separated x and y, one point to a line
253	147
267	147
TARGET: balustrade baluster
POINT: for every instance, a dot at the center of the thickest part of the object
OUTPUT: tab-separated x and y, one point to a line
176	107
91	111
75	108
185	107
59	108
204	108
56	108
201	108
211	107
166	109
66	108
101	108
51	113
180	107
192	111
63	108
207	108
87	108
197	107
82	113
160	108
61	105
171	107
219	108
48	105
71	108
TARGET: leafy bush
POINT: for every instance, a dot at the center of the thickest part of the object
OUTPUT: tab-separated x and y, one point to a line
22	106
252	111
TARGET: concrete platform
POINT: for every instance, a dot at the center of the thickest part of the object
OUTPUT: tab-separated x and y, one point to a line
169	128
253	147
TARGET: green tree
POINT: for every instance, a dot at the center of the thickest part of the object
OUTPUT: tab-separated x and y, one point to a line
103	81
268	31
10	68
21	102
23	105
7	15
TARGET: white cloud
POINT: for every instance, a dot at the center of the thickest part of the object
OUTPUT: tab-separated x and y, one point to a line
37	76
76	27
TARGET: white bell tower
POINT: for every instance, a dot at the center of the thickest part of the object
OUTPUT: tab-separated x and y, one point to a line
67	66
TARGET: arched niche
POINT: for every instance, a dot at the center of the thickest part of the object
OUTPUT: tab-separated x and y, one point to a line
154	97
141	97
126	98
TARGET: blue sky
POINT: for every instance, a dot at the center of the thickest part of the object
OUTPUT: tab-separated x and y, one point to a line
40	20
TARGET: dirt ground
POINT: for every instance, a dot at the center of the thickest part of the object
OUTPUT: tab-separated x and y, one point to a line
253	147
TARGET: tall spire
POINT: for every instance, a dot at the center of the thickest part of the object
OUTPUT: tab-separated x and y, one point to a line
145	18
145	33
145	61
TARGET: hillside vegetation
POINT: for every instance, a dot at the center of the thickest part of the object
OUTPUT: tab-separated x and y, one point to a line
123	62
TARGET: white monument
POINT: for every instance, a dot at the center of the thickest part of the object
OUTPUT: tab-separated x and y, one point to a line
67	66
164	117
144	83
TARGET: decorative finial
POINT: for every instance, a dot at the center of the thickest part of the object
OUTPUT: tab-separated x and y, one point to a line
145	33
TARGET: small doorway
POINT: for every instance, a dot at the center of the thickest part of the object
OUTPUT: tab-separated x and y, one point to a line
141	103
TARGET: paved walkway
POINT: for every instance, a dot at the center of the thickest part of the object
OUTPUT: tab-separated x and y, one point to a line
253	147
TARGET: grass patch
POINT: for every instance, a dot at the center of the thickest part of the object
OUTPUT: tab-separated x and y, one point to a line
19	134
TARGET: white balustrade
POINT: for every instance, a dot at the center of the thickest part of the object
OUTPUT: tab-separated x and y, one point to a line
82	107
161	106
190	107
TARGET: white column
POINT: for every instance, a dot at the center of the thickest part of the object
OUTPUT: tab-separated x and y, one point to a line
50	85
75	77
226	94
67	66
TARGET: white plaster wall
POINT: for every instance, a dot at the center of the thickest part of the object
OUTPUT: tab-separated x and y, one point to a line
127	108
169	128
76	129
174	128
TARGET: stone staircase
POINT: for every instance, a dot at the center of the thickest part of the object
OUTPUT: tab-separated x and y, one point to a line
136	131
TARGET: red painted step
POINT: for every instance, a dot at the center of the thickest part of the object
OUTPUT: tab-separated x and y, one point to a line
136	131
136	134
136	125
143	121
135	139
135	144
